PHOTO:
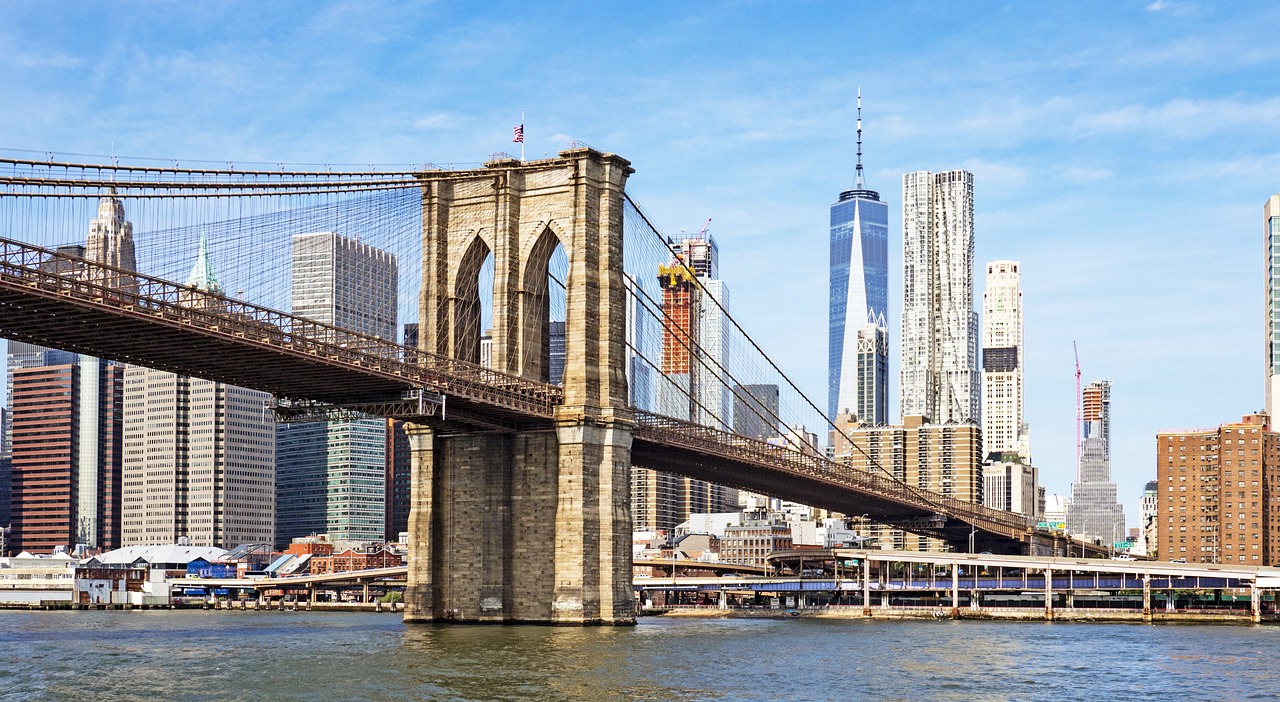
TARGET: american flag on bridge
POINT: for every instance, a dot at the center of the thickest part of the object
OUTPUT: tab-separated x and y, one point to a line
519	137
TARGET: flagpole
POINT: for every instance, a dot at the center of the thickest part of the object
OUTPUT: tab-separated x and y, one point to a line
522	135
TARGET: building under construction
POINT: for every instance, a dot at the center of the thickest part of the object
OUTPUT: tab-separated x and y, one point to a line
690	386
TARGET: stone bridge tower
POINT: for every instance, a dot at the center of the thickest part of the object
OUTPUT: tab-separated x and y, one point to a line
526	525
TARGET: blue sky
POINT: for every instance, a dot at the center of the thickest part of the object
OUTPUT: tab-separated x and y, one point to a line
1122	151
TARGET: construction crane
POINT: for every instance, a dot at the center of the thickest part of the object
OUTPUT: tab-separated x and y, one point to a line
702	233
1079	414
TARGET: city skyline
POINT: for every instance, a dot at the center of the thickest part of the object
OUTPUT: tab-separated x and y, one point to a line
1101	142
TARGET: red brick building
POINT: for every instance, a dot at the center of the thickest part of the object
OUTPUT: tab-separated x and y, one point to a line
352	559
1218	494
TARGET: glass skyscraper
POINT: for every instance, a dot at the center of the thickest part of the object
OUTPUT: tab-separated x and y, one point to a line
859	301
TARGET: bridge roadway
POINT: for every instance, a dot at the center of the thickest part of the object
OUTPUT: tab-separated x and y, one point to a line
59	301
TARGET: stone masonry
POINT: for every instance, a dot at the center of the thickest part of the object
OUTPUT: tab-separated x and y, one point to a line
526	526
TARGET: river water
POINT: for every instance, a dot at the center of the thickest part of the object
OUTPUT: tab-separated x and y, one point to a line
207	655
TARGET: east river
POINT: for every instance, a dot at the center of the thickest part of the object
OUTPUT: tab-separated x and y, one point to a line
199	655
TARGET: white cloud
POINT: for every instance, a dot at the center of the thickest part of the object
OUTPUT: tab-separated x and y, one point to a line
439	120
1182	117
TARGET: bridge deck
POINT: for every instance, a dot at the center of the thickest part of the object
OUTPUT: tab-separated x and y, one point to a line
60	301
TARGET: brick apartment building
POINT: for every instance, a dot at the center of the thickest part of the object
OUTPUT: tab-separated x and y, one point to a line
1218	494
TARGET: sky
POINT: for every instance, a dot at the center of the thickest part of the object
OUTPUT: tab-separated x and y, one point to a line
1121	151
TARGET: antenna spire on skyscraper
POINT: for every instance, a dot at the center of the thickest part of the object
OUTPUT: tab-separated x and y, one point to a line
858	181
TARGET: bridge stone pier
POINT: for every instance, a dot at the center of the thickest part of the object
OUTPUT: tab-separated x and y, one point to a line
526	521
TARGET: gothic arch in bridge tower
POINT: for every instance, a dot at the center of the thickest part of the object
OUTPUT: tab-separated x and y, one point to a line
465	318
535	304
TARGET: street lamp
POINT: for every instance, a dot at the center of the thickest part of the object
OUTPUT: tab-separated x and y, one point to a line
973	530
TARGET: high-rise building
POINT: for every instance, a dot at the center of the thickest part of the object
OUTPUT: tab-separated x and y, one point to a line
939	372
1010	485
66	456
199	462
858	344
691	382
943	458
1218	494
110	242
331	479
332	476
755	411
68	479
1271	242
199	455
641	335
399	479
343	282
1094	512
1002	418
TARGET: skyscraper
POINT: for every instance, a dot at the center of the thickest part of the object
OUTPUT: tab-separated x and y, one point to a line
1002	426
110	241
199	455
857	344
691	386
341	281
1094	511
332	476
755	411
939	326
67	480
66	455
1271	242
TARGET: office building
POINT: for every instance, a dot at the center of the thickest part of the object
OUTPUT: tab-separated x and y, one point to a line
942	458
66	456
65	411
1010	485
331	479
332	476
755	411
1095	513
858	344
345	283
110	242
1218	494
199	455
939	372
399	479
1002	418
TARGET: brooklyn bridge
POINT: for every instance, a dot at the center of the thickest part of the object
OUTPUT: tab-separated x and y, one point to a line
535	473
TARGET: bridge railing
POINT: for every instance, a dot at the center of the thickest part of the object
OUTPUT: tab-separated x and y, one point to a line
704	439
133	293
